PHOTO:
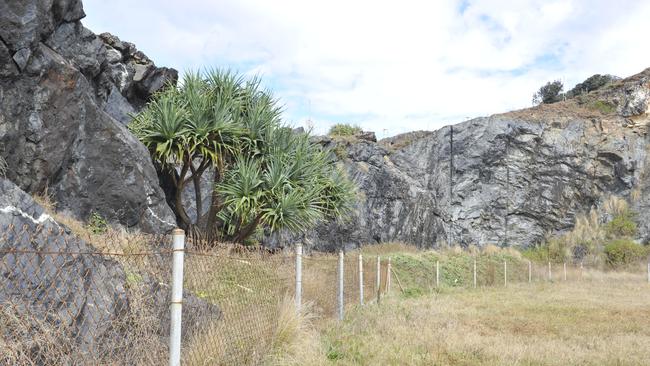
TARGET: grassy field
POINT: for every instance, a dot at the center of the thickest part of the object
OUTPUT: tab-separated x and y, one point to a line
603	319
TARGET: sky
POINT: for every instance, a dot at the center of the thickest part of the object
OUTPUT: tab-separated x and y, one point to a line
388	66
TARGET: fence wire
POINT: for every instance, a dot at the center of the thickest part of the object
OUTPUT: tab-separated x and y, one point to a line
244	293
104	299
65	302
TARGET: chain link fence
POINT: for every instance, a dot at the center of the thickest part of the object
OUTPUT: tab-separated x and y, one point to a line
106	300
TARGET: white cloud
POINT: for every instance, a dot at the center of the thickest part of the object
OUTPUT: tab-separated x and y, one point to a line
385	64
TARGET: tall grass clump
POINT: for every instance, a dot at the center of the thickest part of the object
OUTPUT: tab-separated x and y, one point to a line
603	237
344	129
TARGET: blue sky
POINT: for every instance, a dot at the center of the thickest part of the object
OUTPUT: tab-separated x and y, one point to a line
389	66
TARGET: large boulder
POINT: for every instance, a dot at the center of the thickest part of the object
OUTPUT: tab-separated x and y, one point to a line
65	95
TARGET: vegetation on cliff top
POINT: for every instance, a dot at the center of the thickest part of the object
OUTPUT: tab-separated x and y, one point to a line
551	92
344	129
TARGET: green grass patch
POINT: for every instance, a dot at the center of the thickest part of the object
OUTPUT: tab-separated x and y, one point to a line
417	271
603	106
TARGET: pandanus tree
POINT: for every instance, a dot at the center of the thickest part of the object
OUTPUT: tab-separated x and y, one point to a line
266	176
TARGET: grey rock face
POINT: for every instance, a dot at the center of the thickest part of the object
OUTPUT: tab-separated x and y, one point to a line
40	284
86	296
65	96
508	179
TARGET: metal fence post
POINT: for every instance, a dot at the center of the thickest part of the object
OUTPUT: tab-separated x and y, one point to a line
505	273
388	276
530	271
437	273
564	270
648	272
340	297
176	306
298	277
474	272
360	279
550	276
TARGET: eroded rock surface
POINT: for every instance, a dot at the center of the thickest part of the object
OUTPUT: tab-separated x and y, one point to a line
507	179
65	95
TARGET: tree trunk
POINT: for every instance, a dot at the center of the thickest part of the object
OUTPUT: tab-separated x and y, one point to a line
248	230
178	199
180	210
198	196
211	221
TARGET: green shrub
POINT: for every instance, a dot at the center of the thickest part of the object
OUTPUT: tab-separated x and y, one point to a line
621	252
622	225
604	106
412	292
344	129
538	253
97	224
549	93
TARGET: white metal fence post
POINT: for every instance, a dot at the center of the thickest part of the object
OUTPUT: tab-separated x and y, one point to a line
505	273
550	276
360	279
340	297
298	277
530	271
474	272
176	306
437	273
648	272
564	264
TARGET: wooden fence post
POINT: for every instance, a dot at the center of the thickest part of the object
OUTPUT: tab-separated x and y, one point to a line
360	279
388	276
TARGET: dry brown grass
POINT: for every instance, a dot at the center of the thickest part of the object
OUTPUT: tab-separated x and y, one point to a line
601	321
28	337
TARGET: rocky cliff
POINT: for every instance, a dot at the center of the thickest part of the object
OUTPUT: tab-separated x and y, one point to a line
507	179
65	95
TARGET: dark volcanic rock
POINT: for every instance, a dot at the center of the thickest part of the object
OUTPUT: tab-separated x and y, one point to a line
507	179
87	292
87	296
65	95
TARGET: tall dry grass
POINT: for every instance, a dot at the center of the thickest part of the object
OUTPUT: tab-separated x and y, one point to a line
605	321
